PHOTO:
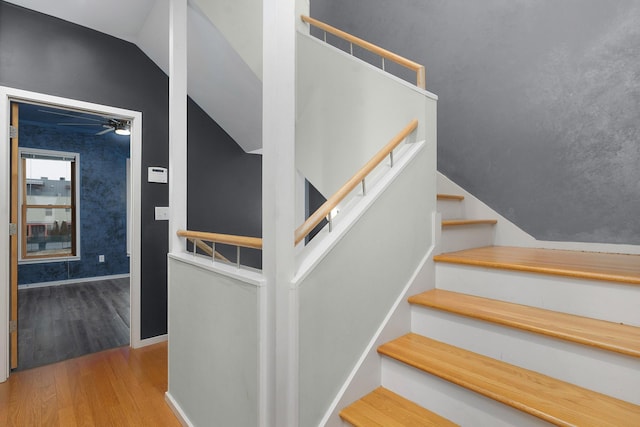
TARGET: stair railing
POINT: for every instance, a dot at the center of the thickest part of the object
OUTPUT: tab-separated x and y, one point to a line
325	211
198	238
209	250
383	53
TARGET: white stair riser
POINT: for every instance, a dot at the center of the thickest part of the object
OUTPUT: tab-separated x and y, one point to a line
457	238
599	370
590	298
450	209
458	404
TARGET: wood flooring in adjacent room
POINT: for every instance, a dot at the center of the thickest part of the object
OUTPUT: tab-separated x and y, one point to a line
60	322
118	387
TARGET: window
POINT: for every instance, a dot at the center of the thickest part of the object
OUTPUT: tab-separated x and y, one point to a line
50	212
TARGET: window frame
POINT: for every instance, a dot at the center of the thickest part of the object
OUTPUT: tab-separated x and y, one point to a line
74	158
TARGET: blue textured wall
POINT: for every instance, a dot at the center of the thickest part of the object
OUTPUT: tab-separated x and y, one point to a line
103	216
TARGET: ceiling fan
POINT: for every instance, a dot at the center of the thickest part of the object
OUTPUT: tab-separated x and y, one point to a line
110	124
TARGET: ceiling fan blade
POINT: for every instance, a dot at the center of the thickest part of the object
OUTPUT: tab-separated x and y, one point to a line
72	115
78	124
102	132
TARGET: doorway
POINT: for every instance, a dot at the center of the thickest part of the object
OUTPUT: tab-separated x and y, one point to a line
43	249
73	269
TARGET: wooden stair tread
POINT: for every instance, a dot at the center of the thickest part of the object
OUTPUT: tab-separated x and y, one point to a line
458	222
544	397
385	408
453	197
587	265
623	339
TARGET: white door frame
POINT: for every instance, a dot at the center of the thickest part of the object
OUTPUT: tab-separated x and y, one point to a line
7	95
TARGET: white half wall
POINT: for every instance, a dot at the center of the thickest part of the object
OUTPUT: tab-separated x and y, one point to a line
346	111
349	292
214	343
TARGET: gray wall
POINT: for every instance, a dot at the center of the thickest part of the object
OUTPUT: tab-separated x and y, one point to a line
224	185
539	103
44	54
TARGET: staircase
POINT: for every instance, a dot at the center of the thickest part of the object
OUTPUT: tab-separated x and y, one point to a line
513	337
459	232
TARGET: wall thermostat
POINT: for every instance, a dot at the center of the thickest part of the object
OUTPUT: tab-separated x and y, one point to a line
157	174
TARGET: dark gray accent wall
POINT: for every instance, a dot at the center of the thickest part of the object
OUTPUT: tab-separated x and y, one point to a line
224	185
314	200
44	54
539	103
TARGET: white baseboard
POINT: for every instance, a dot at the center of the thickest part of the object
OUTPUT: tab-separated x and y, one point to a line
612	248
177	410
509	234
73	281
149	341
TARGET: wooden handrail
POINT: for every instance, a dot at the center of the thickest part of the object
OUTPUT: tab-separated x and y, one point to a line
413	66
228	239
324	210
317	217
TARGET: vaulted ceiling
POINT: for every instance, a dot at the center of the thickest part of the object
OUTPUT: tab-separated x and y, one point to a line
224	61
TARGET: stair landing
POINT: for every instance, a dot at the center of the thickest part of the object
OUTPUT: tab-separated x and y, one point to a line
620	268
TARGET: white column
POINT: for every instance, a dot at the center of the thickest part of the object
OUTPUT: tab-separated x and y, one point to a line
278	211
5	165
302	8
177	121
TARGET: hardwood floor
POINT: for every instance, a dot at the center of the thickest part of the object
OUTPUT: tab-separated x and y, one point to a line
118	387
60	322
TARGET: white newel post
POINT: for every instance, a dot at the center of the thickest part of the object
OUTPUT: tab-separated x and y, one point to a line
5	203
280	388
177	121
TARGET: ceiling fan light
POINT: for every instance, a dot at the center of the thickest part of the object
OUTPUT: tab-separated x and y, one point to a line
123	129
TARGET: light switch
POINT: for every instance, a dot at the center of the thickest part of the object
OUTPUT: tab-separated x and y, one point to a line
162	213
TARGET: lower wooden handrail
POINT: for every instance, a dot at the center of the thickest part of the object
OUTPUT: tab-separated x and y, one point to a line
228	239
324	210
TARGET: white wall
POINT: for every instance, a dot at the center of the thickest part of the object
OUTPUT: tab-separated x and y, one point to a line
222	84
219	79
241	23
214	343
347	110
345	298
